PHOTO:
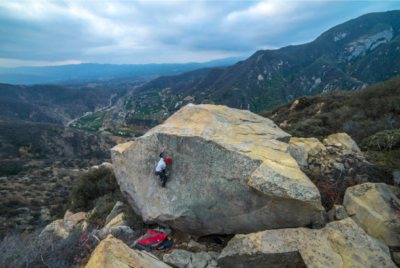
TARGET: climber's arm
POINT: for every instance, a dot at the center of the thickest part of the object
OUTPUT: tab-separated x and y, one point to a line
163	150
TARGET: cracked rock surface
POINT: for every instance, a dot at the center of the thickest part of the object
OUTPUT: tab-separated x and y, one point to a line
230	173
340	244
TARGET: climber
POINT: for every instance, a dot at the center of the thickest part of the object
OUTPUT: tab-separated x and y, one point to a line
160	169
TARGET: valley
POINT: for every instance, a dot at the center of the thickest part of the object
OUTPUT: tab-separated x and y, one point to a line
298	145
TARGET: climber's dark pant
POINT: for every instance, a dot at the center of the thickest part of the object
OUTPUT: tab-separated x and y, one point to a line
163	177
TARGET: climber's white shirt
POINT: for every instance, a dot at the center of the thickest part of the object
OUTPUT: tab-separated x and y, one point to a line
161	165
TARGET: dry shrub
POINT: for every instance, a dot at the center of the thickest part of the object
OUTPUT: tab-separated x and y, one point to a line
332	192
29	250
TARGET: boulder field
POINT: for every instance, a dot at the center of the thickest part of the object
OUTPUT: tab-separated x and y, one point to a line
231	172
339	244
112	252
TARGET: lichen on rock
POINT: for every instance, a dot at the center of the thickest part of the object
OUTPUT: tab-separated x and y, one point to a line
231	173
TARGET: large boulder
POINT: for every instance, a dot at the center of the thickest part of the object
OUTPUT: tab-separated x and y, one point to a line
342	140
112	253
376	209
340	244
231	173
65	227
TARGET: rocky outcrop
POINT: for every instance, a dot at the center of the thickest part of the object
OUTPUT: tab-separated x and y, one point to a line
339	244
114	223
230	173
183	259
112	252
117	209
376	209
343	142
64	228
301	148
338	157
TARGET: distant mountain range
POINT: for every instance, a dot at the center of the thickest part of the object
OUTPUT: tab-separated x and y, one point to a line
55	74
350	56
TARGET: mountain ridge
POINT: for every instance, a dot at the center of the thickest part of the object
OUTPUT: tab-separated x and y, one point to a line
349	56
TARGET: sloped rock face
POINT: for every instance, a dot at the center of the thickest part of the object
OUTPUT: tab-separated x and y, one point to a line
339	244
376	209
230	173
112	252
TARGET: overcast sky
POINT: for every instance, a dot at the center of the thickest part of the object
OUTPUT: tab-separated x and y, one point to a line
133	32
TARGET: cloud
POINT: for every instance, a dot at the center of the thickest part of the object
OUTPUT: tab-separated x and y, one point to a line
121	32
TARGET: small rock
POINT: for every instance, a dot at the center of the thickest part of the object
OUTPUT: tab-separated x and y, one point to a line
184	259
346	152
194	245
337	213
311	161
201	259
340	159
323	167
331	150
346	166
338	145
396	257
396	178
340	167
313	152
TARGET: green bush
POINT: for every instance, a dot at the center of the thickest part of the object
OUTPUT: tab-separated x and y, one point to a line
95	215
382	141
132	219
13	171
91	186
304	102
103	207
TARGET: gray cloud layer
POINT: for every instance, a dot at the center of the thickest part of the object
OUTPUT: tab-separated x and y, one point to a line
123	32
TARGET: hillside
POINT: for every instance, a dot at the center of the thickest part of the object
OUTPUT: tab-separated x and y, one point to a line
371	116
350	56
47	103
38	164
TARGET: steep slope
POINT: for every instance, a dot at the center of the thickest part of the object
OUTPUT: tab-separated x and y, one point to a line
371	116
350	56
48	104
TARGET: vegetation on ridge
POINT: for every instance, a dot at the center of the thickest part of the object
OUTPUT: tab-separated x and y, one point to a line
371	116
